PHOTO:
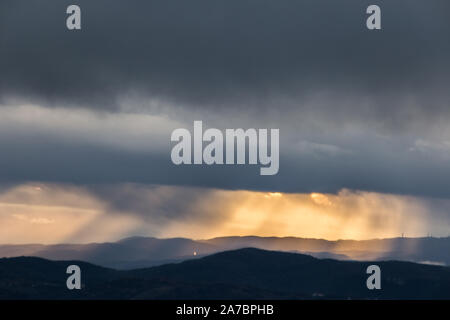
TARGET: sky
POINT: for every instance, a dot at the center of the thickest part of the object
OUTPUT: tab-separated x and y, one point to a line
86	118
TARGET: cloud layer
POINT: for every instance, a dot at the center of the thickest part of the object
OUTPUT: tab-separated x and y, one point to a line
356	109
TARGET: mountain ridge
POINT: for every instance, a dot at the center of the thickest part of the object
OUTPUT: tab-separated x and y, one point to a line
137	252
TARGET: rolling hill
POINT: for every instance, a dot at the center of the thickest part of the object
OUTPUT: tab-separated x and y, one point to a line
239	274
141	252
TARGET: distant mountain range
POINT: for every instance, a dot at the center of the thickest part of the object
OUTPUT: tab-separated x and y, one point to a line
239	274
141	252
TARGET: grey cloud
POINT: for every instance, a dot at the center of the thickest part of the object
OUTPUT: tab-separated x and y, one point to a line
163	204
222	53
309	68
371	165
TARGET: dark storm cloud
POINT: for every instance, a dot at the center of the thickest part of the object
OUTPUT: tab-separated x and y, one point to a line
220	53
371	168
356	109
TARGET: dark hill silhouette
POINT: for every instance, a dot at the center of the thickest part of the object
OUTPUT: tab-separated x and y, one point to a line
36	278
239	274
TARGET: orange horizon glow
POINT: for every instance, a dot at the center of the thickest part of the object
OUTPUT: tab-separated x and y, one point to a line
47	213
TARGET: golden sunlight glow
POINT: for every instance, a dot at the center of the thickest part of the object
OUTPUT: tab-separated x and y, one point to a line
273	195
320	199
47	213
50	214
347	215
